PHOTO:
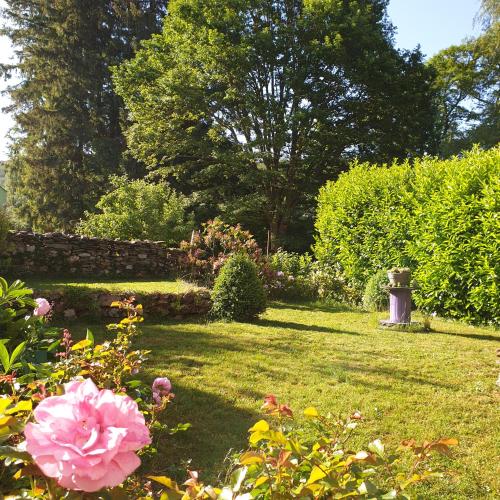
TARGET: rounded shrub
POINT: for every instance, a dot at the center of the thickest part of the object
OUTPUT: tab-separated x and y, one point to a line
376	296
139	210
238	293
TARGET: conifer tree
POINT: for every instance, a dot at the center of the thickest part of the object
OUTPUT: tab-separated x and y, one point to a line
67	139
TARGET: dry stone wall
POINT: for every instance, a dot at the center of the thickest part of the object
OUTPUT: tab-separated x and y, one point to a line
67	254
75	302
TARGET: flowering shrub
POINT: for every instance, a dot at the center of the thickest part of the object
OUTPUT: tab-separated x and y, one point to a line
281	463
77	421
292	275
209	249
331	285
288	274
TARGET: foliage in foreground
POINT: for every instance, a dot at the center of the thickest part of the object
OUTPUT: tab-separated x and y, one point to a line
138	210
281	463
439	218
238	293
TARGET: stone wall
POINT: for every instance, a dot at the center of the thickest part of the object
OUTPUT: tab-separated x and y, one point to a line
75	302
68	254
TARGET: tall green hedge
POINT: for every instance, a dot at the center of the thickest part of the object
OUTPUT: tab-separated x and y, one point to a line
441	218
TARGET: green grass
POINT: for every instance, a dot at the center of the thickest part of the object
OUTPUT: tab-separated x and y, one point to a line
138	286
421	385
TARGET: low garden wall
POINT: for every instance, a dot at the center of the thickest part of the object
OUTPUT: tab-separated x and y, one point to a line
56	254
79	302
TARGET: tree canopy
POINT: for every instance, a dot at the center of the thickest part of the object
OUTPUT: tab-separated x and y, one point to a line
467	88
252	104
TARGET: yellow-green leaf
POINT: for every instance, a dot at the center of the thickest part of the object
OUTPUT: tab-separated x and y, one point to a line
260	426
255	437
260	481
81	345
251	457
316	475
21	406
311	412
4	403
165	481
7	421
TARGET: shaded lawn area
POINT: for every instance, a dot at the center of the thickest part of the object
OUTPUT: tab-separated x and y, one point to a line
421	385
113	285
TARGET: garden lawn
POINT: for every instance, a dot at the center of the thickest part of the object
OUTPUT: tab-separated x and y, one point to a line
420	385
113	285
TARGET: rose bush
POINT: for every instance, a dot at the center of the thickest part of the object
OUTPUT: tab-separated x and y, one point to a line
161	388
76	420
42	307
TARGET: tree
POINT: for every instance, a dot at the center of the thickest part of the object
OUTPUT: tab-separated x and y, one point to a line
251	105
67	139
467	88
138	210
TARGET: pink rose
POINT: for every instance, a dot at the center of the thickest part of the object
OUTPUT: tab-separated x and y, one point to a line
42	307
161	387
86	438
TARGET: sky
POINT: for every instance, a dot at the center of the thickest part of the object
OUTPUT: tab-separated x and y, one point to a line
434	24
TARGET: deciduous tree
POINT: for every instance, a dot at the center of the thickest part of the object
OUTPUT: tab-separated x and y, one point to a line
251	104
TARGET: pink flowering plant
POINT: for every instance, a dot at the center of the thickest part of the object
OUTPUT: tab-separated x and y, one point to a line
80	422
208	249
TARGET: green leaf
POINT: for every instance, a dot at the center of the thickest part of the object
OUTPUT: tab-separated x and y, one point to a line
52	347
17	352
11	452
90	337
368	488
237	478
377	447
4	358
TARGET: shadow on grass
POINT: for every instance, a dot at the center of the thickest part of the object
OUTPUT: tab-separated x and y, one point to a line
314	306
299	326
473	336
217	426
356	367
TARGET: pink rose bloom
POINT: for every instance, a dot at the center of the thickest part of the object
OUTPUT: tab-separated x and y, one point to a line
42	307
161	387
86	438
